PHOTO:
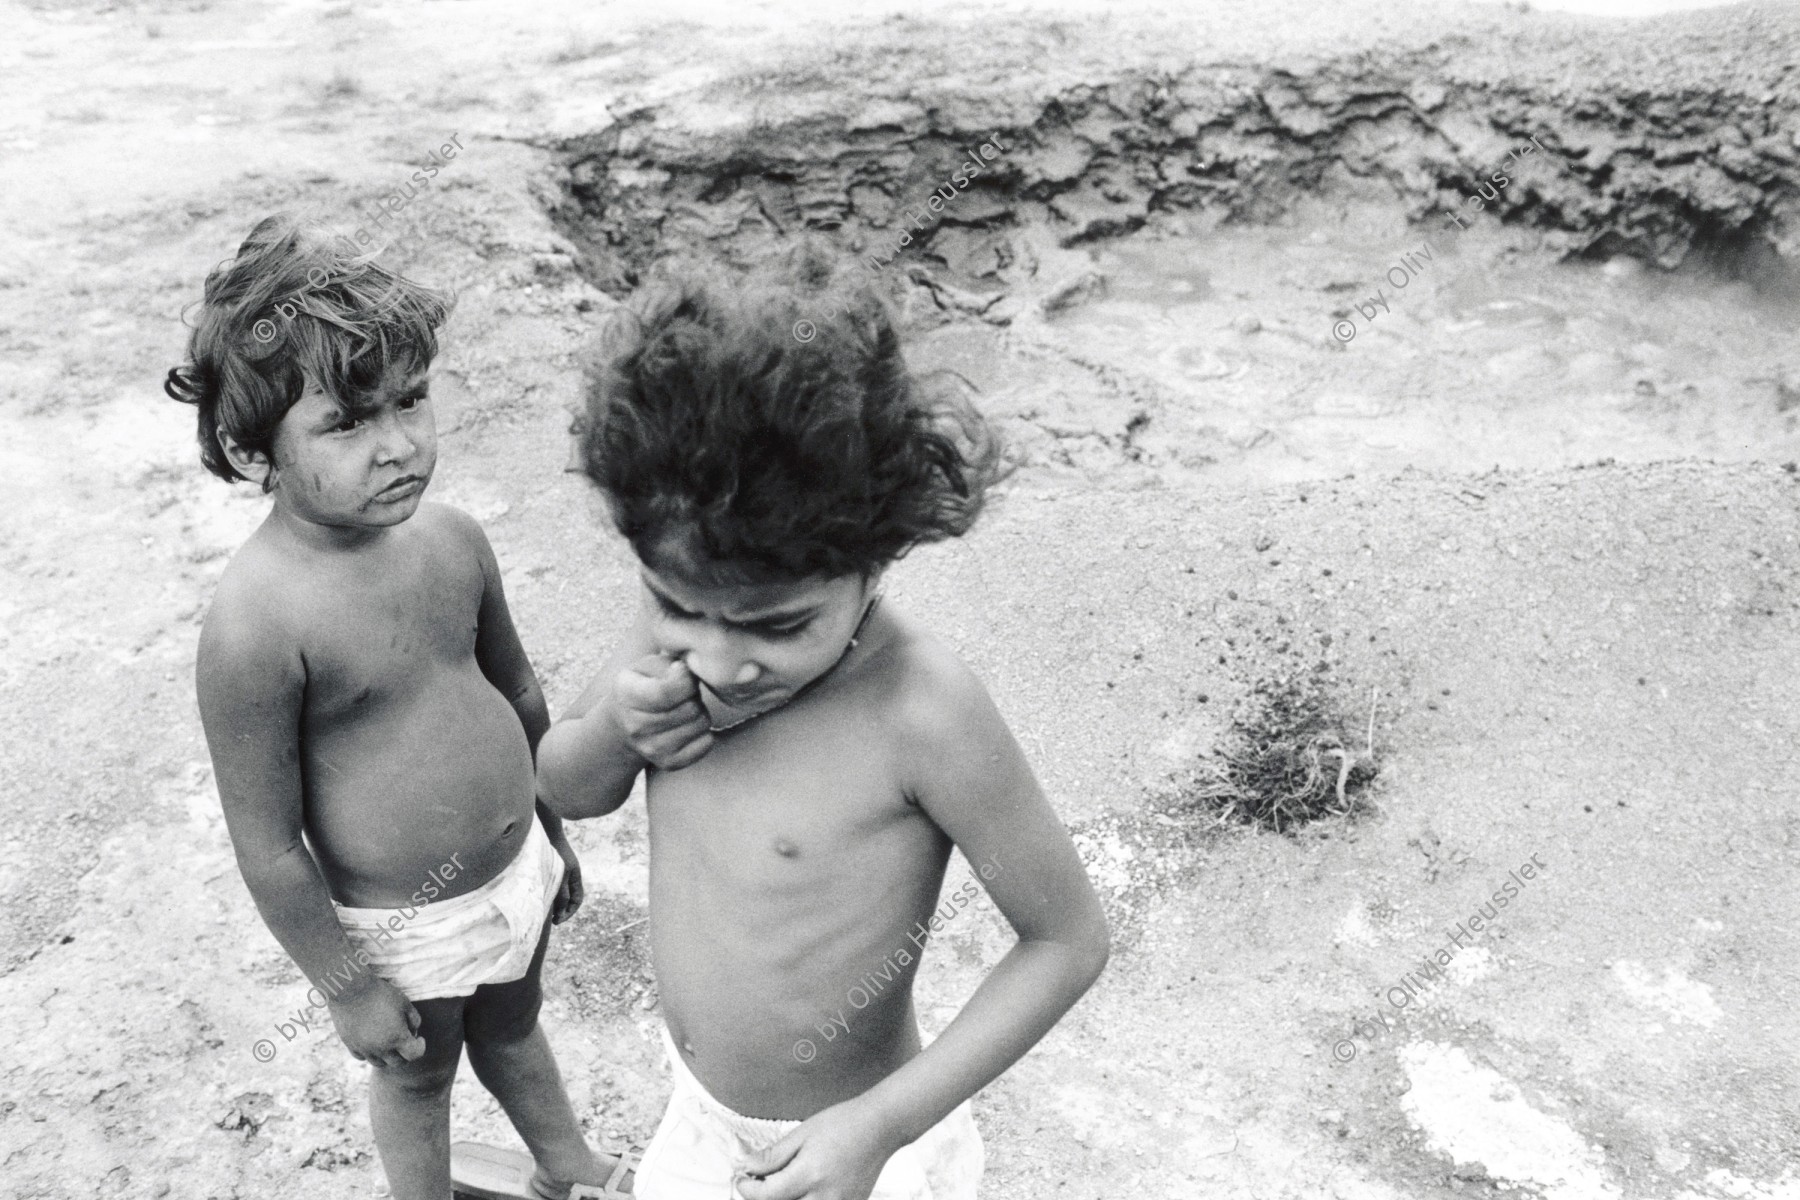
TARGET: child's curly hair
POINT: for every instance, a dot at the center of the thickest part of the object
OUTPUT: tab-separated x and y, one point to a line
298	302
764	456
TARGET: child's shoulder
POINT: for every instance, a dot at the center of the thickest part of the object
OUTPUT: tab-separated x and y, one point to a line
453	526
929	692
252	616
943	729
261	572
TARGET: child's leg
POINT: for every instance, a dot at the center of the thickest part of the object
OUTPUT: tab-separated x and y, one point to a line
512	1058
409	1106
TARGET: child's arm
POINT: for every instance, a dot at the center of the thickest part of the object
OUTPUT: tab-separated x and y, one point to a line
969	775
502	658
251	681
498	649
643	710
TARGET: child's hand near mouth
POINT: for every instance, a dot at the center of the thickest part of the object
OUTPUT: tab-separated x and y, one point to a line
660	710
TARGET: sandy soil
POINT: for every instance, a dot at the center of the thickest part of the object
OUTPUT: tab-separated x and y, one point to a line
1592	663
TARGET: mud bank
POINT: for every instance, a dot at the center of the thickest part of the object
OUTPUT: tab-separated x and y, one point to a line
1659	173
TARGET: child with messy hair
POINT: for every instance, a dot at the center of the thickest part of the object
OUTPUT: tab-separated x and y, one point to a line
811	754
370	712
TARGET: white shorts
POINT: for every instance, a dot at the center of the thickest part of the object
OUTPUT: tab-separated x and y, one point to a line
700	1145
451	947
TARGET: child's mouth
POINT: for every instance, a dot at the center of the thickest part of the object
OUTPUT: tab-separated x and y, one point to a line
743	698
400	489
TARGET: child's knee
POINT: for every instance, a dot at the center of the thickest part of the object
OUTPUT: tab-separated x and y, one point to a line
422	1079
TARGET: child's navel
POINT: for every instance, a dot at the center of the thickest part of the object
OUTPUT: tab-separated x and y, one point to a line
785	848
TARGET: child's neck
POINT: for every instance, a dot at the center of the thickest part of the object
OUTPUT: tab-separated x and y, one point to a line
319	535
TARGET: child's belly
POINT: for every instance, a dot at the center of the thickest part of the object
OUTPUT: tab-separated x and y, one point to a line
438	774
785	942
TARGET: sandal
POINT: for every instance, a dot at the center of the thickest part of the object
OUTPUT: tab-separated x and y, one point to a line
479	1172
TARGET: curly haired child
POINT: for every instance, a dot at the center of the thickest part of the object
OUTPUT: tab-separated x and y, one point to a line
812	754
370	712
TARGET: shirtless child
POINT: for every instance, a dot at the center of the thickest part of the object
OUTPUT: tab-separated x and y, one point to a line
369	709
812	754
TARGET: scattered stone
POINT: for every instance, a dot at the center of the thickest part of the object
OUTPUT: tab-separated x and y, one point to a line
1087	286
553	268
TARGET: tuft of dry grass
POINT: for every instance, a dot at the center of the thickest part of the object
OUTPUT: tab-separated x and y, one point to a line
1291	757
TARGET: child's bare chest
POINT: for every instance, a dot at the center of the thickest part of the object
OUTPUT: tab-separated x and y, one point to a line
768	811
384	633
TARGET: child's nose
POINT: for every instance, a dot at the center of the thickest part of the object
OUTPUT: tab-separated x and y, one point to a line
396	449
714	662
722	672
396	444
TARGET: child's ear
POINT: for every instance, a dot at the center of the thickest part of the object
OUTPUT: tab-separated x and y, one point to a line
251	464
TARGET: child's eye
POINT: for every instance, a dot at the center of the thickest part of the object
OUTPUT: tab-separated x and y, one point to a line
782	631
670	611
408	403
346	425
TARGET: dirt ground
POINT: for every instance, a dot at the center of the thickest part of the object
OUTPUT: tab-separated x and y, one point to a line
1535	523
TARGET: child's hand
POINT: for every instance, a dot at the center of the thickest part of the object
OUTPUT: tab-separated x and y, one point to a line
569	895
658	704
378	1025
836	1154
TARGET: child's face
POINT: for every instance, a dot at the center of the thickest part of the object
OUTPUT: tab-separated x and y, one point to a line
755	645
366	470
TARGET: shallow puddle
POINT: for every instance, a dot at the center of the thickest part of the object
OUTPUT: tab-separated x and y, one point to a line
1286	353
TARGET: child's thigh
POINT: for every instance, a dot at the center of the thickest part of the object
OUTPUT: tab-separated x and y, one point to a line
504	1012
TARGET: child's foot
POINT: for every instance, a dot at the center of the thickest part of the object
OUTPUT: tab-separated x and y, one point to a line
489	1173
610	1175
